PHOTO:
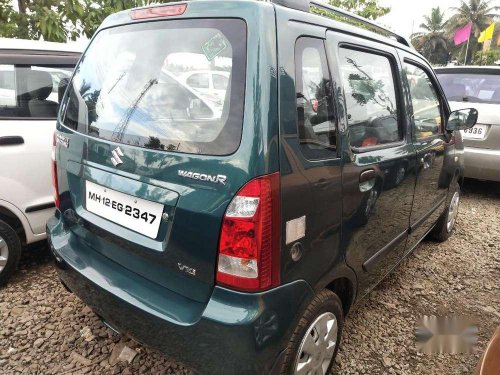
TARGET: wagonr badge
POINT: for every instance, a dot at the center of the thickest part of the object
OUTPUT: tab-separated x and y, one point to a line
216	179
115	159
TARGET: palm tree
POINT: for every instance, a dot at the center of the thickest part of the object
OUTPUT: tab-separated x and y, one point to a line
432	43
481	13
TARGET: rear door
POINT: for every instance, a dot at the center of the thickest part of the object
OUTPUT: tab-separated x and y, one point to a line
435	153
29	101
164	157
379	160
309	160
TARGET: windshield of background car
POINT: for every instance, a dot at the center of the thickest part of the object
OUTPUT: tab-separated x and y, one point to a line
131	86
476	88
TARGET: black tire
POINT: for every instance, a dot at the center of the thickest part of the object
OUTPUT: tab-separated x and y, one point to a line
13	243
324	301
441	232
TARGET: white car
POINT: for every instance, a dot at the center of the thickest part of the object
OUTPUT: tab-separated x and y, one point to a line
32	82
211	84
478	87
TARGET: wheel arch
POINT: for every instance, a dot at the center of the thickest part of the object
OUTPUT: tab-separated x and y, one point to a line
17	222
342	281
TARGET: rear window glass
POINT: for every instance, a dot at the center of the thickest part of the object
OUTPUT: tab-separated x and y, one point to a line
476	88
130	86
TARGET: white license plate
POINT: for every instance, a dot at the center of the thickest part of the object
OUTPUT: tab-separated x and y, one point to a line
134	213
476	132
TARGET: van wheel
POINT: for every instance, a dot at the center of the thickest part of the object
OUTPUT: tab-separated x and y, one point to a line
315	341
10	251
444	227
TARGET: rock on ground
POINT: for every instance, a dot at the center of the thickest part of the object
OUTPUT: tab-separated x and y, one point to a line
46	330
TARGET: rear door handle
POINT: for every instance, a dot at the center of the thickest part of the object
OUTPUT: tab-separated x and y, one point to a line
11	140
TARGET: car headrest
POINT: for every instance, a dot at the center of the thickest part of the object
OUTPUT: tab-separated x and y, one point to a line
496	95
39	84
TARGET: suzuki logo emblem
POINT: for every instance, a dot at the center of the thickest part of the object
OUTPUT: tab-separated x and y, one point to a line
115	159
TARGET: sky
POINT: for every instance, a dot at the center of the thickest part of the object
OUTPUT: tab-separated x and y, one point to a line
406	15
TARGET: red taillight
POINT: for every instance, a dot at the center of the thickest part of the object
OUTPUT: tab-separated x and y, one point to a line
54	173
154	12
249	245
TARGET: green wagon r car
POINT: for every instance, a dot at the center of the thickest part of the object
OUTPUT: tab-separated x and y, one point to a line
235	232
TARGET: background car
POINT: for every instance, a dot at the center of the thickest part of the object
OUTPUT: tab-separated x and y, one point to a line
479	87
31	74
212	84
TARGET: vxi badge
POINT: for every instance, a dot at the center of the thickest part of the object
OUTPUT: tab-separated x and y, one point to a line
216	179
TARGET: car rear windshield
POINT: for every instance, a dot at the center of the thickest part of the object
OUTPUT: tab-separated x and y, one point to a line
134	86
468	87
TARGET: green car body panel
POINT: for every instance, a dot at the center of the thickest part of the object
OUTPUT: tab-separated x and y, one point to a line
139	284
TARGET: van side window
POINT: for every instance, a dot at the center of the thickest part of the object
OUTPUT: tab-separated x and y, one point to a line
316	128
31	91
427	118
370	95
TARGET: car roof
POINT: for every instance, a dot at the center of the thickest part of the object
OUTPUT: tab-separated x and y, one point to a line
199	7
38	45
472	69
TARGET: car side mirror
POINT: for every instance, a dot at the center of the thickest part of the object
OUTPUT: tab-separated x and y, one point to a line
462	119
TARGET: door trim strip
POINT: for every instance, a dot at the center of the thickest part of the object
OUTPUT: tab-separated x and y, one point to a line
369	264
420	221
39	207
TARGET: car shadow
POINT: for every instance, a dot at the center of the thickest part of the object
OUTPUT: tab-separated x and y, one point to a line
35	254
481	189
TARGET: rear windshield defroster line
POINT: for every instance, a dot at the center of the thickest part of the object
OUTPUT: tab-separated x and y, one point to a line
152	85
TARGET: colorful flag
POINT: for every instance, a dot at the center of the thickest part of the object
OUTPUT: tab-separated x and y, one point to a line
498	41
463	34
487	33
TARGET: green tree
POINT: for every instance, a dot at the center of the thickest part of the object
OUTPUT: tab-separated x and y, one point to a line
58	20
97	10
481	13
433	43
489	57
62	20
8	19
370	9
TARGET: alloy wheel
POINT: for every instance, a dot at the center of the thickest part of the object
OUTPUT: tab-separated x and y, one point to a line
453	211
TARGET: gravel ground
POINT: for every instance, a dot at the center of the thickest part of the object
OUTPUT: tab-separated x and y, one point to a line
46	330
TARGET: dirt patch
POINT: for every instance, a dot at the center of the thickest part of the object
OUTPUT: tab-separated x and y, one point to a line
46	330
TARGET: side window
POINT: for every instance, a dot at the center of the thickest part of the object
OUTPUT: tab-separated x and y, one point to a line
370	95
7	87
427	117
316	128
220	82
198	81
31	91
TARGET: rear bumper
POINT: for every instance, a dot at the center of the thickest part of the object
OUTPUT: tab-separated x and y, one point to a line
483	164
231	333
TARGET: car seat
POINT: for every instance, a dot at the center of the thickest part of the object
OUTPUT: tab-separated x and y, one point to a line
39	85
